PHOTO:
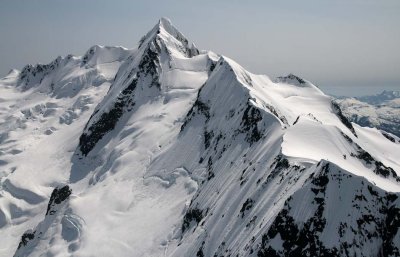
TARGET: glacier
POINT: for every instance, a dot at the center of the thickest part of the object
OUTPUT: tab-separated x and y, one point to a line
168	150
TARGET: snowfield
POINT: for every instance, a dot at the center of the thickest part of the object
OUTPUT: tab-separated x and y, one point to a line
167	150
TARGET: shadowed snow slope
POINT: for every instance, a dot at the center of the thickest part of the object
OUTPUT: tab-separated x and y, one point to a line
166	150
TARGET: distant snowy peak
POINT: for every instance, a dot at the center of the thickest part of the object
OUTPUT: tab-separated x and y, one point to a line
292	80
10	78
391	93
67	75
381	111
12	73
381	98
32	75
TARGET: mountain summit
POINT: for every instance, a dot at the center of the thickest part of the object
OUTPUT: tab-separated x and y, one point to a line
171	37
165	150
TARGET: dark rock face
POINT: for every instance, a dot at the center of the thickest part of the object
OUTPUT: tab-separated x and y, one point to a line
365	156
107	120
384	171
343	119
58	196
299	241
88	55
210	172
250	118
275	112
212	66
290	79
375	219
280	163
192	215
348	139
207	138
391	227
297	119
389	137
36	73
198	107
380	168
26	237
247	205
200	251
149	67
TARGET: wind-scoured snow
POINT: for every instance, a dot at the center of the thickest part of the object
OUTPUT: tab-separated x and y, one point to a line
167	150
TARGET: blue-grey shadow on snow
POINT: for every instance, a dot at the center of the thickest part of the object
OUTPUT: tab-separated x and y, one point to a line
79	169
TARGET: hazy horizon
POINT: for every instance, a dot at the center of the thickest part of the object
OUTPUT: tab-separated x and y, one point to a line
344	47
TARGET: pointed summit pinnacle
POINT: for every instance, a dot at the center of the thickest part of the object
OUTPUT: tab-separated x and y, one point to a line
171	37
166	24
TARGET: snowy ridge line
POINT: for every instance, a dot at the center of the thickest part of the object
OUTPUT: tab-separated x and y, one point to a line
175	151
31	74
31	238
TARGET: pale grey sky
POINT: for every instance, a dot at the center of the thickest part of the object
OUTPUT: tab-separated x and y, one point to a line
345	47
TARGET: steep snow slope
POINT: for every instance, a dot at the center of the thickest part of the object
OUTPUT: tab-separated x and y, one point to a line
187	154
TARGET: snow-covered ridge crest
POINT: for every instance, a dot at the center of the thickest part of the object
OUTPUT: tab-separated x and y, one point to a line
98	54
189	154
95	67
140	79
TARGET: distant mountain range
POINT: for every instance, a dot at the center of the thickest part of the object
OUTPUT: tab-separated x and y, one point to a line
381	98
169	150
381	111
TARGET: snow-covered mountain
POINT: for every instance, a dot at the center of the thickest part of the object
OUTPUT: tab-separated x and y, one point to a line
381	98
167	150
381	111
